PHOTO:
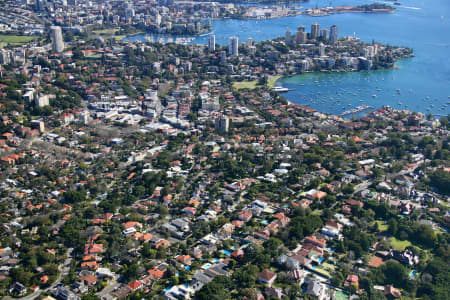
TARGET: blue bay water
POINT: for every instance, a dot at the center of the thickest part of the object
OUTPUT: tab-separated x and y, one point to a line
421	83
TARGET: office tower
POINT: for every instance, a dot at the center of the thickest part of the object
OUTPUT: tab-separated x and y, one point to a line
42	100
300	37
158	19
305	65
322	49
324	34
39	5
252	50
223	57
57	39
129	12
5	57
233	48
250	42
212	43
222	124
301	28
334	33
315	31
287	38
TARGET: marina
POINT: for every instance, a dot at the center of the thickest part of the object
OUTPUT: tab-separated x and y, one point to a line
356	110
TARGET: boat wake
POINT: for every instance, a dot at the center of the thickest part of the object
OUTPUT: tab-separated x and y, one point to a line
411	7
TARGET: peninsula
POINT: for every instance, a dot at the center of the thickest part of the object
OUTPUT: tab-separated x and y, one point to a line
368	8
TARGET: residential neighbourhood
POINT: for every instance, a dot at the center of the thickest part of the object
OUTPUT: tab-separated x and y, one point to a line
143	170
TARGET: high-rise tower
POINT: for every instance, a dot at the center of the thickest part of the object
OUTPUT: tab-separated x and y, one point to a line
233	48
334	33
57	39
315	31
212	43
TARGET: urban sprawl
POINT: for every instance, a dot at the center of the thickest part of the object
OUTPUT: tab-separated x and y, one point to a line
143	170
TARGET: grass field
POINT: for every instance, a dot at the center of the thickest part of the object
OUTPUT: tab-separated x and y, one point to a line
240	85
323	271
399	245
272	80
254	84
110	33
340	296
105	31
382	226
14	39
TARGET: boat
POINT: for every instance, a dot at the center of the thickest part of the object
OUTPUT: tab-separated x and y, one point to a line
281	89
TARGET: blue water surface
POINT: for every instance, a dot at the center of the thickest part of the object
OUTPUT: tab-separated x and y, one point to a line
421	83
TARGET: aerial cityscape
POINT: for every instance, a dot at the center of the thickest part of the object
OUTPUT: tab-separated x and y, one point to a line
233	149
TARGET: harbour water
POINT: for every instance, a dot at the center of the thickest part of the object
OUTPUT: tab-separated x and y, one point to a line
421	83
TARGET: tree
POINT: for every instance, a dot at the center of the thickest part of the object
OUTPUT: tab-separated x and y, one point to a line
394	273
217	289
441	180
130	272
74	197
246	277
392	226
90	296
337	279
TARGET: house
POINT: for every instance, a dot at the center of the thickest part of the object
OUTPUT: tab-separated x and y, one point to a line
315	241
295	261
237	254
79	287
90	265
104	272
63	293
184	259
132	224
245	215
92	248
406	257
189	210
391	292
352	280
274	292
267	277
298	275
316	289
89	280
196	252
44	279
352	202
162	243
18	289
156	273
181	224
135	285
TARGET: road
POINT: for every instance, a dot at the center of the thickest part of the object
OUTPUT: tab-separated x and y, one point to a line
362	186
64	270
110	288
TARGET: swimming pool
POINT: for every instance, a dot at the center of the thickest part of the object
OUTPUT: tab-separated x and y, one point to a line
413	274
226	252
